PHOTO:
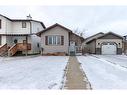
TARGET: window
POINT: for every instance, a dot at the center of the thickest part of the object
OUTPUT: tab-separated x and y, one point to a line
0	24
23	24
38	45
49	39
54	40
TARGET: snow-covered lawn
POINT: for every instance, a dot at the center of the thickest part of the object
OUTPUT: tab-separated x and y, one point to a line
42	72
103	74
116	59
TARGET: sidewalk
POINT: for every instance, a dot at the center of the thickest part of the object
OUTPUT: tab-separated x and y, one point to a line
75	77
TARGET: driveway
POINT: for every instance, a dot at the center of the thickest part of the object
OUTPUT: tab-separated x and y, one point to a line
105	71
115	59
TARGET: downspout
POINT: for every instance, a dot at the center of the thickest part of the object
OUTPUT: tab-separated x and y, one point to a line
30	28
69	43
95	46
26	45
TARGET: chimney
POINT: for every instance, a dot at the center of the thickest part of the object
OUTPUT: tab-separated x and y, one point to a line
29	17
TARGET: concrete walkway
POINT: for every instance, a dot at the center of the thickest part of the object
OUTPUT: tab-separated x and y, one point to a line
75	77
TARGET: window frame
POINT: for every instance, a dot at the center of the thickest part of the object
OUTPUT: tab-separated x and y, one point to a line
23	24
54	40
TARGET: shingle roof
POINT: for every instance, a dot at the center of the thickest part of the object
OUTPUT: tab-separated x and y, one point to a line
105	35
52	26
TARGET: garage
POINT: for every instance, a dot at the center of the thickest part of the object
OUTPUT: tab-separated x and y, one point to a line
109	48
105	43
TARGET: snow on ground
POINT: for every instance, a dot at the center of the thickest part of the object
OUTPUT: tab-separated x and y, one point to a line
42	72
102	74
116	59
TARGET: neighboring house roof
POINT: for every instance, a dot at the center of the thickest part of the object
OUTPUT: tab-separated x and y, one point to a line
14	20
29	20
5	17
89	39
50	27
99	37
111	33
15	34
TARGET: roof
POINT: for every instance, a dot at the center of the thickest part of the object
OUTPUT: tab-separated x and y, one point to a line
79	36
15	34
5	17
14	20
52	26
105	35
95	35
29	20
89	39
111	33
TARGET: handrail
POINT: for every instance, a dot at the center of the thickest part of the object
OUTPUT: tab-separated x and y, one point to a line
3	49
12	50
12	47
18	47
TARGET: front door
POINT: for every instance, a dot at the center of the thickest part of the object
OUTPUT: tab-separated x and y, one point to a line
72	48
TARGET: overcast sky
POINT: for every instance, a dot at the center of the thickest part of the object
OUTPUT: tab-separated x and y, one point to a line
90	19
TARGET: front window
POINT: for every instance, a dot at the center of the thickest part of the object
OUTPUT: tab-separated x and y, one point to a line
23	24
54	40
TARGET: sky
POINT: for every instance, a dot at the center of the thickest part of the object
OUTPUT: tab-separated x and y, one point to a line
87	19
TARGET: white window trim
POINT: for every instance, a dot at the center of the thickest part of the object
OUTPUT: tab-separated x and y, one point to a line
54	40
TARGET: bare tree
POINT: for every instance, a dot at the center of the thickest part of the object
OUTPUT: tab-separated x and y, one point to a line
80	32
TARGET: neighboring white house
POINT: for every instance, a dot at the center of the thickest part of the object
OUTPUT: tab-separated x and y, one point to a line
19	35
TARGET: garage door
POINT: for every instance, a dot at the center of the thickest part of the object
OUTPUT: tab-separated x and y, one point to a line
109	49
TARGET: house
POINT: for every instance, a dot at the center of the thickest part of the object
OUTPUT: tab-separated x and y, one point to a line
108	43
19	36
59	39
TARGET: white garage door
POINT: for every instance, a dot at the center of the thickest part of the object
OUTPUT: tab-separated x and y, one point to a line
109	49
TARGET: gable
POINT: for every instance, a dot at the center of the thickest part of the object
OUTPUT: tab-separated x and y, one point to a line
55	31
110	36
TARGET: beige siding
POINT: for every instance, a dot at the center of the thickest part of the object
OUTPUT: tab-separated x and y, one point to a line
108	40
59	48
